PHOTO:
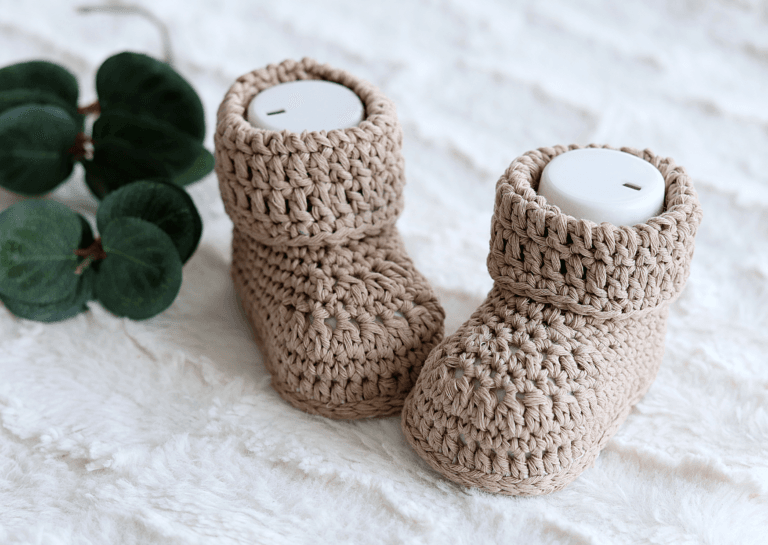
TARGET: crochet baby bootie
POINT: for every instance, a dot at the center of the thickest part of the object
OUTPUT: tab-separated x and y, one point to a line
343	318
522	398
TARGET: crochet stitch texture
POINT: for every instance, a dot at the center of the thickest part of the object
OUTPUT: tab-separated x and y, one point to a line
522	398
344	319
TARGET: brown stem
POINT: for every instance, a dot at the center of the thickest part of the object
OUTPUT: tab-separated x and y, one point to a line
92	253
94	108
82	148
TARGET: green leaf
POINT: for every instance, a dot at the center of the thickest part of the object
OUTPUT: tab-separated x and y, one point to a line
141	274
164	204
20	97
155	139
41	76
138	84
200	168
37	244
70	306
34	144
116	163
129	148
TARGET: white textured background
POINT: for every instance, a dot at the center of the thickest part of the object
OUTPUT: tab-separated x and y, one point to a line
167	431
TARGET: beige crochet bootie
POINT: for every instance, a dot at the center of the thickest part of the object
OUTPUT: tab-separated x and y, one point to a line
522	398
343	318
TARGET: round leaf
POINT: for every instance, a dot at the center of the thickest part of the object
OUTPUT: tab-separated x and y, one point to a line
73	304
141	274
37	244
116	163
21	97
166	205
200	168
43	76
34	144
138	84
129	148
154	139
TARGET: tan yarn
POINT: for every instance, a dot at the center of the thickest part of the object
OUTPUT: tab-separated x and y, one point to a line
343	318
522	398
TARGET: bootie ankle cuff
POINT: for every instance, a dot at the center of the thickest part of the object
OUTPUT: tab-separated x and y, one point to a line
602	271
311	188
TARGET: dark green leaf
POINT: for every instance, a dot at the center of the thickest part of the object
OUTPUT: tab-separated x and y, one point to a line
202	166
37	244
154	139
34	144
141	274
116	163
144	86
57	311
164	204
129	148
42	76
20	97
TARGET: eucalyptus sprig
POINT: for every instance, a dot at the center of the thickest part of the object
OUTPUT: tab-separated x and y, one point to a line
51	264
150	125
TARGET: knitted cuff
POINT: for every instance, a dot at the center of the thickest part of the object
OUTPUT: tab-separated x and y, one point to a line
317	187
603	271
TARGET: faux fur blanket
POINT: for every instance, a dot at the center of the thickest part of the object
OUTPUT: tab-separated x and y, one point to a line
167	431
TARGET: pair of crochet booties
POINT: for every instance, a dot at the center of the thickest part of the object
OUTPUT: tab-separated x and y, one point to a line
522	398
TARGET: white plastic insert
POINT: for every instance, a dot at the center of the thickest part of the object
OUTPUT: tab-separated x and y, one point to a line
603	185
312	105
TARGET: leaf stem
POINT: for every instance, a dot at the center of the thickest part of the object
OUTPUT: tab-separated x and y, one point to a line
92	108
84	264
82	148
92	253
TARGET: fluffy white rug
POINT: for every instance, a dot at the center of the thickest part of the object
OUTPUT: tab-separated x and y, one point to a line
167	431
